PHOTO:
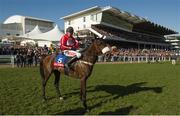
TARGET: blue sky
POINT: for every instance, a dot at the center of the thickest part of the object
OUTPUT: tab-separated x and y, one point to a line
163	12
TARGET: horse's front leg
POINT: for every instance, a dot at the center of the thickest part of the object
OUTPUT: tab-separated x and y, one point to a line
83	93
56	83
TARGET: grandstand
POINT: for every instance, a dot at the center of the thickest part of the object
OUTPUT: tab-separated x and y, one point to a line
20	25
119	27
174	40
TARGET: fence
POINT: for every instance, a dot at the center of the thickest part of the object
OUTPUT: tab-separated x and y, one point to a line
7	60
132	59
10	59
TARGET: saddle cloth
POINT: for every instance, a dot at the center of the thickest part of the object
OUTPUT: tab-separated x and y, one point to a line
62	58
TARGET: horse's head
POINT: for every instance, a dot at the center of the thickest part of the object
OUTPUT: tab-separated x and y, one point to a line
100	46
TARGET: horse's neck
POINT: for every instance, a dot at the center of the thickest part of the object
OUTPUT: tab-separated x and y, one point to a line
90	55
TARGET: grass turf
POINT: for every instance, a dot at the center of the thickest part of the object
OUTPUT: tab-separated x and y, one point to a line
111	89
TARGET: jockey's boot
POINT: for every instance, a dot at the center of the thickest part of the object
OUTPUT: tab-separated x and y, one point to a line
68	65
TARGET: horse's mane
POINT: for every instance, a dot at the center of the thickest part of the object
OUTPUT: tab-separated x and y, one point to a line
86	54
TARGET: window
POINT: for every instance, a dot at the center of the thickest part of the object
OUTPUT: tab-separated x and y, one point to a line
96	17
69	22
84	26
84	19
93	17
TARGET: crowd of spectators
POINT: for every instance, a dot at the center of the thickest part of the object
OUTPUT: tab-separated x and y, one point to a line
29	56
126	54
26	56
122	54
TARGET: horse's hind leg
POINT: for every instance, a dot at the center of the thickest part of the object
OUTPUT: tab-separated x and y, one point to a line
43	88
45	77
83	93
56	83
44	82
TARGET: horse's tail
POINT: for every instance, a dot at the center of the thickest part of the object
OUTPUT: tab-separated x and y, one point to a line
41	67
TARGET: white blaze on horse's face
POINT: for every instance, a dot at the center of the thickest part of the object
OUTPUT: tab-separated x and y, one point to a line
105	50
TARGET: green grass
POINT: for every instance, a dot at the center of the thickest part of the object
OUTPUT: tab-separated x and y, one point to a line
111	89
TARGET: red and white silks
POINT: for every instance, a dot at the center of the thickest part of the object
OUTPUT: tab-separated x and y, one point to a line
71	53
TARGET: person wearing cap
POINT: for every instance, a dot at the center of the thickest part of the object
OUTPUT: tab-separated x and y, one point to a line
68	44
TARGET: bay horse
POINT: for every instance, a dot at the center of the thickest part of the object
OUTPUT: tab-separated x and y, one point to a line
81	69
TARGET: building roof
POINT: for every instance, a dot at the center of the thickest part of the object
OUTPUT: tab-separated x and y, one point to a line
18	19
132	18
124	14
82	12
152	28
13	19
41	19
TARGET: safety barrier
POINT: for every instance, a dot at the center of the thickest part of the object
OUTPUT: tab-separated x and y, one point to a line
133	59
7	59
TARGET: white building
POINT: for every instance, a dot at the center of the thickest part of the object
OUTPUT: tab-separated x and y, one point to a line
30	30
174	40
115	24
84	19
20	25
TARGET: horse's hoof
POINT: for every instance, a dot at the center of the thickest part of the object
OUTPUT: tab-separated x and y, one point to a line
61	98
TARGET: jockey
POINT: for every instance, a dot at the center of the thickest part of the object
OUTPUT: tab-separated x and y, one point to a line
69	44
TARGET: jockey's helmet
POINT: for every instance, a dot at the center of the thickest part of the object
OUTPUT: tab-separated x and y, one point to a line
70	30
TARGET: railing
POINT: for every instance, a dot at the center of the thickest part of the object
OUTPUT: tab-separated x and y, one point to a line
7	59
132	59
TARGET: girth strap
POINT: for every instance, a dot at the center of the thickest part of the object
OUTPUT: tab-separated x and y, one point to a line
81	61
